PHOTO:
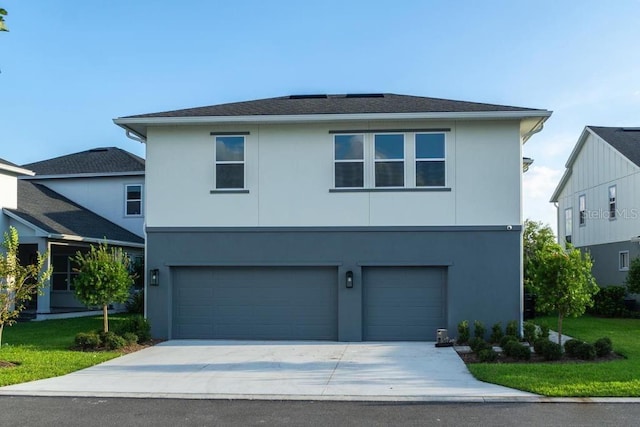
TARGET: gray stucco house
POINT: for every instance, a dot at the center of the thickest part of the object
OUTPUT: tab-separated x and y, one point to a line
333	217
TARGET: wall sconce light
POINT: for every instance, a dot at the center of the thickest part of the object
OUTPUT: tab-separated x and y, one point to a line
154	277
349	279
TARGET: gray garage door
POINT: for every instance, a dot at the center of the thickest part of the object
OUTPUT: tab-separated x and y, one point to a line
403	303
286	303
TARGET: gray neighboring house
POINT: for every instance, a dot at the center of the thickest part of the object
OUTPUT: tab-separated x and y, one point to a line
598	200
49	220
358	217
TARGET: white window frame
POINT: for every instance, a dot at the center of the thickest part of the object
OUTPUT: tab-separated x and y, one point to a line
402	160
612	202
127	200
242	162
623	261
582	209
568	224
421	159
363	160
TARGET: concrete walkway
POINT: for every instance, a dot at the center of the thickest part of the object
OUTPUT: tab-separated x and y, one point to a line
298	370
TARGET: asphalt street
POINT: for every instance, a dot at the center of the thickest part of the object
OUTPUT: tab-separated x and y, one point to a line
57	411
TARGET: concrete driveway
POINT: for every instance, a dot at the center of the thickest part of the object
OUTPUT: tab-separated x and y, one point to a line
278	370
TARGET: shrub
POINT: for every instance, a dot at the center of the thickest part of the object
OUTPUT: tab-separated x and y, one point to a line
571	347
487	355
512	329
477	344
517	351
87	341
130	338
551	351
603	346
544	331
530	332
136	325
135	304
113	341
540	344
609	301
463	332
479	331
586	351
505	339
496	333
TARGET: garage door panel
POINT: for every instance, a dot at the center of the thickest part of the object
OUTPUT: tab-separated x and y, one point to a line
403	303
255	303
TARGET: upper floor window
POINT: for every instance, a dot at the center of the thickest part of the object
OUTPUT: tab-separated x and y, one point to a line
430	160
568	224
133	200
229	160
582	204
623	260
612	202
349	161
389	160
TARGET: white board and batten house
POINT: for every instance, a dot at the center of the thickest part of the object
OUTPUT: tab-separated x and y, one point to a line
598	200
338	217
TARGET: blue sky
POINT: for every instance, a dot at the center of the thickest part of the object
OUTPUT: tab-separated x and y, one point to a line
69	67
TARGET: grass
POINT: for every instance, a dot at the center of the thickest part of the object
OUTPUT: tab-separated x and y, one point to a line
41	349
619	378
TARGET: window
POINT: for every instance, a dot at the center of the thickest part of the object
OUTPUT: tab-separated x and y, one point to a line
430	160
229	159
133	200
349	161
582	202
623	260
63	272
612	202
568	224
389	160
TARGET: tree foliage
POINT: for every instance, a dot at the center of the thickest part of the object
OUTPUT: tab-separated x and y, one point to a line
534	238
564	282
633	277
103	278
18	283
3	13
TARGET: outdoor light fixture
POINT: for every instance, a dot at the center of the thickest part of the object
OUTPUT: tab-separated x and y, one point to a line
154	277
349	279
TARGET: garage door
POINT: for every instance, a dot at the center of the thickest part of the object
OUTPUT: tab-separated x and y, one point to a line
403	303
276	303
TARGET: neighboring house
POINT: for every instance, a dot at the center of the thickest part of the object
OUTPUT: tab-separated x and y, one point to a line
337	217
598	200
49	221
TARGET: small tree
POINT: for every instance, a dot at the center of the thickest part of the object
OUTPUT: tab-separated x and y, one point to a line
18	283
3	13
564	282
534	237
633	277
103	278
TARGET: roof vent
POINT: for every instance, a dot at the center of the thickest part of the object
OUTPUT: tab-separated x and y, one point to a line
364	95
98	150
307	96
630	129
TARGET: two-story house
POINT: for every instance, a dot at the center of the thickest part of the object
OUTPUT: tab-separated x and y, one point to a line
336	217
598	200
63	205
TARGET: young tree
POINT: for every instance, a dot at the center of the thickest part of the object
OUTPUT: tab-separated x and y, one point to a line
18	283
103	278
564	282
534	237
3	13
633	277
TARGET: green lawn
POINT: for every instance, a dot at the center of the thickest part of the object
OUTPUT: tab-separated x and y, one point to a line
618	378
41	349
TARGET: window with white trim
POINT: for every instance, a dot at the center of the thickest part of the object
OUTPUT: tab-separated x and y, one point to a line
389	160
612	202
582	205
430	160
568	224
229	162
349	161
133	200
623	260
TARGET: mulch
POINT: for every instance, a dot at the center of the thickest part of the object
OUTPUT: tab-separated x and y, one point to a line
469	358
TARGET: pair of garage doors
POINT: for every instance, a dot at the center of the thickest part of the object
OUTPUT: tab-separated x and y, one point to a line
301	303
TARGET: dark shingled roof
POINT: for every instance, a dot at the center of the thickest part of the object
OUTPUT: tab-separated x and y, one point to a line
336	104
56	214
5	162
625	140
94	161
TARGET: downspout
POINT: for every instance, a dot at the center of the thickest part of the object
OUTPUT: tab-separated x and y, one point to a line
558	221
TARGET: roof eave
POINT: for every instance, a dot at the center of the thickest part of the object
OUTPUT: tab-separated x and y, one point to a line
139	125
84	175
16	170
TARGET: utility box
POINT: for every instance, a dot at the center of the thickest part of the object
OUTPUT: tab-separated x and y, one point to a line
442	336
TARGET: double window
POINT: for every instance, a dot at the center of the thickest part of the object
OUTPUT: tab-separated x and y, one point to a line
390	160
133	200
229	160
